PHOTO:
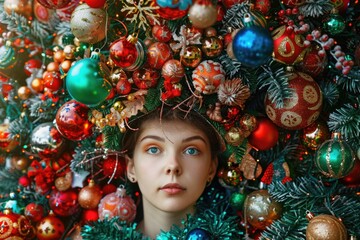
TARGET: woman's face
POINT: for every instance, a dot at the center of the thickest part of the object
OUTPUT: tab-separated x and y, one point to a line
172	164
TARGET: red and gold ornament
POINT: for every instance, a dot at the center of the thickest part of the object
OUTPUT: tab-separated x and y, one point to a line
302	109
50	228
172	71
161	33
34	212
90	195
191	56
208	76
145	78
315	134
265	134
15	226
7	144
64	203
158	53
263	6
212	46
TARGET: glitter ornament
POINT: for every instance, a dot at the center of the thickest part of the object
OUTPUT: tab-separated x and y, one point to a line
64	203
289	47
173	71
15	226
265	134
212	46
50	228
198	234
21	7
117	204
90	196
325	227
260	210
88	24
208	76
335	158
315	134
7	144
334	24
202	14
46	141
158	53
230	175
237	200
145	78
34	212
302	109
114	166
128	53
86	83
313	63
72	121
54	4
191	57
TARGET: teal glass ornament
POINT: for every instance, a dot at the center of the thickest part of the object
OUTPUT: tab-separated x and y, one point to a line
7	56
85	81
334	24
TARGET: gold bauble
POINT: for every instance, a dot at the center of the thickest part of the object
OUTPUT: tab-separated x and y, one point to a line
234	136
6	143
24	92
248	124
260	209
66	65
69	51
212	46
191	57
20	162
52	67
118	106
21	7
63	183
326	227
37	84
59	56
315	134
89	197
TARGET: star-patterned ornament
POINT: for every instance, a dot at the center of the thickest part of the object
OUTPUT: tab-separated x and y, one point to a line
78	178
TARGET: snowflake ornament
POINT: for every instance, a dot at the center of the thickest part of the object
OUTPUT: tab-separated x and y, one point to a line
141	12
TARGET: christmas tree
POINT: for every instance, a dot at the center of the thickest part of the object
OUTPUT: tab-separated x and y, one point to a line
278	79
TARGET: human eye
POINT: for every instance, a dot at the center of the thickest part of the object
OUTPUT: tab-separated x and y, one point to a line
192	151
153	150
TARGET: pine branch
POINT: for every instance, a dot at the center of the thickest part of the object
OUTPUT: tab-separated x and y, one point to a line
345	120
9	180
42	110
331	94
21	127
350	82
315	8
234	17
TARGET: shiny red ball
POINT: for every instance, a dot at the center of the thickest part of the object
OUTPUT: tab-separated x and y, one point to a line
31	65
64	203
145	78
52	81
265	135
162	33
158	53
95	3
90	215
114	166
123	53
34	212
54	4
123	87
24	181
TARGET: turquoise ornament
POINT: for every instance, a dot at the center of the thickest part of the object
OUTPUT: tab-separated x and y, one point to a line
198	234
334	24
85	81
7	56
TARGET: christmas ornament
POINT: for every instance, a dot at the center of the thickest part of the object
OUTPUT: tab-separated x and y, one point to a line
313	62
237	200
191	57
7	56
198	234
88	24
20	163
145	78
69	51
95	3
31	66
37	84
265	134
230	175
15	226
90	196
169	13
50	228
172	71
161	33
353	178
21	7
24	181
234	136
63	183
123	87
86	83
260	210
315	134
334	23
34	212
117	204
289	47
114	166
207	77
89	215
233	93
65	13
72	121
229	3
325	227
7	144
302	109
54	4
65	203
52	67
202	14
128	53
335	158
293	3
158	53
42	14
52	81
263	6
212	46
252	45
46	141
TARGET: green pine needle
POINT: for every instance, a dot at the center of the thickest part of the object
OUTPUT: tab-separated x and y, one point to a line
345	120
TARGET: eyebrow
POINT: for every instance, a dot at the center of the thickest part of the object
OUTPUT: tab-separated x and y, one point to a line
153	137
194	138
163	139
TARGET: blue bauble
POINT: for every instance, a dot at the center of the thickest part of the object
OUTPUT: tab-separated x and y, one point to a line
252	46
85	82
198	234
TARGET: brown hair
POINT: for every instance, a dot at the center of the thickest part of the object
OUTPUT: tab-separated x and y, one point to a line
167	114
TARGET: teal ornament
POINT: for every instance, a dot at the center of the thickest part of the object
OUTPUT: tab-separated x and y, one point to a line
335	158
252	46
85	81
237	200
7	56
198	234
334	24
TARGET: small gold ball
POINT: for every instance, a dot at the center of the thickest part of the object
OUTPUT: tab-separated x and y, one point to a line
24	92
118	106
37	84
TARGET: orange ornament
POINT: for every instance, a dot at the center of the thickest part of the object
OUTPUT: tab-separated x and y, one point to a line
158	53
50	228
90	196
208	76
37	84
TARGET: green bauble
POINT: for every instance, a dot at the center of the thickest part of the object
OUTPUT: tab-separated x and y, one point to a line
237	200
334	24
85	82
7	56
335	158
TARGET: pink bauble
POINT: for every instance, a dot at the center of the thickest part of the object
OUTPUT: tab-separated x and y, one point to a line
207	77
302	109
117	204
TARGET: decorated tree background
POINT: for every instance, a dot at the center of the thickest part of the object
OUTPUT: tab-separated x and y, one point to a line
280	80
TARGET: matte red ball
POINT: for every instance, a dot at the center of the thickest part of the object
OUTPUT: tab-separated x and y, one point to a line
72	121
95	3
64	203
265	135
90	215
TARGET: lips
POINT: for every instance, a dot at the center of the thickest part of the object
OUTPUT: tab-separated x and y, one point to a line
172	188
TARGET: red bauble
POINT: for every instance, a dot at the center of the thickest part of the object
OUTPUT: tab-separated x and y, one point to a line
169	13
24	181
34	212
123	87
52	80
50	228
162	33
64	203
31	65
15	226
145	78
229	3
289	47
353	178
114	166
54	4
90	215
65	13
108	188
173	71
265	135
158	53
90	196
96	3
263	6
293	3
6	143
72	121
302	109
313	64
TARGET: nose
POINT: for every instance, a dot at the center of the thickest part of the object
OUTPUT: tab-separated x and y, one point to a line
173	166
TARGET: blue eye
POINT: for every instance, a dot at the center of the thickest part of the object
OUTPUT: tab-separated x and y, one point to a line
153	150
192	151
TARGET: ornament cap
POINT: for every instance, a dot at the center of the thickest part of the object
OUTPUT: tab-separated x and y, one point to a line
309	215
7	211
95	55
132	38
336	135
